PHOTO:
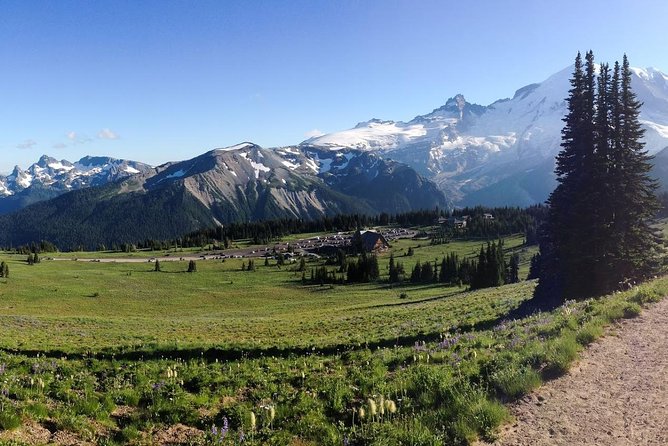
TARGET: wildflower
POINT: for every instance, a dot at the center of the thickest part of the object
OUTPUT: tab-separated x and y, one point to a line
362	413
391	406
253	421
372	407
381	405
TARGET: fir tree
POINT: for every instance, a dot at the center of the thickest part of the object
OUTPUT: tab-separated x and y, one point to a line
192	266
514	269
426	273
416	274
598	231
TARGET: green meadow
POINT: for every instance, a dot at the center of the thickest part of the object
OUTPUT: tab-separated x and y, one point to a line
117	353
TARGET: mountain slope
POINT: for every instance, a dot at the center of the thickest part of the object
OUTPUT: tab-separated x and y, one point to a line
475	152
241	183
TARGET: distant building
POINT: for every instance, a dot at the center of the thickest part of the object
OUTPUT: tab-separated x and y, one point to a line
458	223
370	241
487	217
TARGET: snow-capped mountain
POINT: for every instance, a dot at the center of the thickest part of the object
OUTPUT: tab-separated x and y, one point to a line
501	153
240	183
50	177
64	175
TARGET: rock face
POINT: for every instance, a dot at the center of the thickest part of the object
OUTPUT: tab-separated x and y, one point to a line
240	183
500	154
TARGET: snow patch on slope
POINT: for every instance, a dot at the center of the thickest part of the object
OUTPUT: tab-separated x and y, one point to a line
257	167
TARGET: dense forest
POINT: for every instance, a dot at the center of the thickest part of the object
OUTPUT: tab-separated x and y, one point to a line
507	220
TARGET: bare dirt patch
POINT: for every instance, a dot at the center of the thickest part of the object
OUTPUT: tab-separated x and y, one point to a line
616	395
176	434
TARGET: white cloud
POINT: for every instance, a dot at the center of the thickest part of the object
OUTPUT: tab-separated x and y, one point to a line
27	144
313	133
60	145
77	138
107	134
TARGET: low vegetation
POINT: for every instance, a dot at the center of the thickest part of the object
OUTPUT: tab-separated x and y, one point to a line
117	353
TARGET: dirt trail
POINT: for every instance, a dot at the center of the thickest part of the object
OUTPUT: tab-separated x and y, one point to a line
617	394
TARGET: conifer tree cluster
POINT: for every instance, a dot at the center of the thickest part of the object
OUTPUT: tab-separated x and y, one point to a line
364	269
451	271
490	269
597	233
33	258
396	270
322	275
423	273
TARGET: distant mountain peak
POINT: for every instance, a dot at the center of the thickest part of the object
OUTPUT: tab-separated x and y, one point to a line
62	176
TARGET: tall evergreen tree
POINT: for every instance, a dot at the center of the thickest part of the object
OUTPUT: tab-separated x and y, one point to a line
514	269
597	233
635	202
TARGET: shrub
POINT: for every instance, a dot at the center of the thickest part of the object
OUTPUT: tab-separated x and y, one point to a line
489	414
36	411
9	419
631	310
589	332
559	356
646	295
516	381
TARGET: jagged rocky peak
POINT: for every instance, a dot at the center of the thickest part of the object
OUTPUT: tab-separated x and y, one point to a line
458	101
455	107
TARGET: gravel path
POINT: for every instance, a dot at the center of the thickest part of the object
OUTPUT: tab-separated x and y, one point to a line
616	395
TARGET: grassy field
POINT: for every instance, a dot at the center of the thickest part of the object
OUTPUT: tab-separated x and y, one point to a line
69	306
116	353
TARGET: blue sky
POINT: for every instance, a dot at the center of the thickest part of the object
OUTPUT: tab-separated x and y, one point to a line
167	80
